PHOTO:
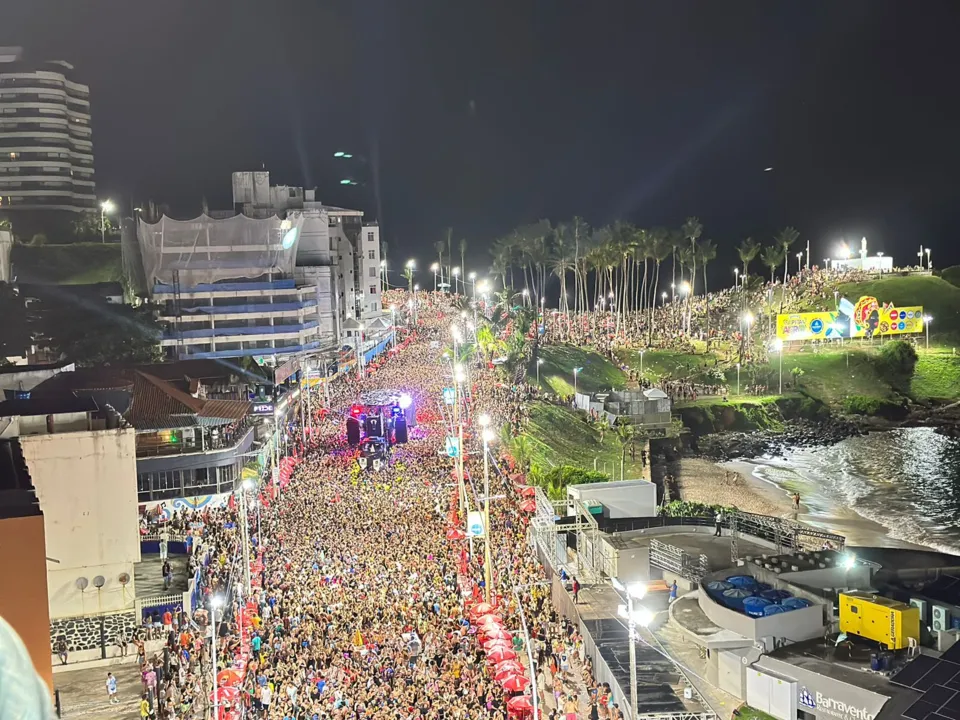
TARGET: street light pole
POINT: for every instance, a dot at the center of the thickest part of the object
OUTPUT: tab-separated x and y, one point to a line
575	371
539	363
927	319
641	363
215	604
245	536
633	591
738	379
105	207
487	436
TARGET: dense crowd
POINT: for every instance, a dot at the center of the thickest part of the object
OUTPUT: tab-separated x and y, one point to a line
360	601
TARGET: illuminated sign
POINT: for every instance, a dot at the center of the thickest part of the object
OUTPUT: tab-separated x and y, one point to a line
867	319
263	408
474	523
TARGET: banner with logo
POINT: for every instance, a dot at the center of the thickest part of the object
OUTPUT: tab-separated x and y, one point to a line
870	318
865	319
812	326
474	523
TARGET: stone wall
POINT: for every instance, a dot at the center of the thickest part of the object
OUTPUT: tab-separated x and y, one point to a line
83	633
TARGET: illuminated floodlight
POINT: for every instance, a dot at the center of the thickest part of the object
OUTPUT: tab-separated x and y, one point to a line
489	436
405	401
289	238
484	420
849	560
637	590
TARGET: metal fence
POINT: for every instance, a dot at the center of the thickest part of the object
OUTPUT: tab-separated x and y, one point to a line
676	560
161	603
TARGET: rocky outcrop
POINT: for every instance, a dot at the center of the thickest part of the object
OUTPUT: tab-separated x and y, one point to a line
799	433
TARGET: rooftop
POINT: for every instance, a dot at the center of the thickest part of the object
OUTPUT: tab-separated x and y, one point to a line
50	405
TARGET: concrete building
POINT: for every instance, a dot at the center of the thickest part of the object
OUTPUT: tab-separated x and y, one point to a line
22	529
46	150
195	428
82	461
280	274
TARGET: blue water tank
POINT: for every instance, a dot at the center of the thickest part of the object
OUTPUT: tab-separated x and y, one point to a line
775	596
795	603
715	588
761	586
743	581
734	597
774	609
754	606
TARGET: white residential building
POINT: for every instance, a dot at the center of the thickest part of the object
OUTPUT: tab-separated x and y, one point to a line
46	150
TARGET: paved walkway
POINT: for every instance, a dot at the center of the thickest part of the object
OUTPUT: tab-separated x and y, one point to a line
149	581
83	693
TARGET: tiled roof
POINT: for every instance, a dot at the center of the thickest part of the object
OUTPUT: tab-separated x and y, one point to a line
158	405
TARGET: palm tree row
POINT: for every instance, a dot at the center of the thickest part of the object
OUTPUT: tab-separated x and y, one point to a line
625	261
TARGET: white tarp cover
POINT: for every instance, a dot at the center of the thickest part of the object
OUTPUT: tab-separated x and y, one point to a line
206	250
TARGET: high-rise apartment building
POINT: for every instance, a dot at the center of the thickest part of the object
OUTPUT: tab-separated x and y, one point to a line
46	150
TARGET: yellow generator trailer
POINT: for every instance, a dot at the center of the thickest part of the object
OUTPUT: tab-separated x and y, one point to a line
880	619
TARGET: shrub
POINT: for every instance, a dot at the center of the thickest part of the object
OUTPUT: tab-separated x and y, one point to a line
685	508
861	405
896	363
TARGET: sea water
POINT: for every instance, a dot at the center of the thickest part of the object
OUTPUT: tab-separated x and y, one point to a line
907	480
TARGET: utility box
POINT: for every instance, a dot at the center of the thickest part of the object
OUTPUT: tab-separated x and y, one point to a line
880	619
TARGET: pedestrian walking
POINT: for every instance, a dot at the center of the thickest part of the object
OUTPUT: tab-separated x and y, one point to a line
796	501
112	688
576	591
673	591
718	520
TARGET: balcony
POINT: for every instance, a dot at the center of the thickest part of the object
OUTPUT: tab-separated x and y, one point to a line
200	440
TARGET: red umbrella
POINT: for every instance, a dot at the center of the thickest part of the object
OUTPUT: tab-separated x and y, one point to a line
227	694
515	683
228	677
455	534
517	478
509	666
495	632
500	654
528	505
489	619
528	491
496	644
481	609
520	704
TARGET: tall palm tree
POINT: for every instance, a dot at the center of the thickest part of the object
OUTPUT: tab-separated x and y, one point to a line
772	256
692	229
708	253
626	434
660	249
579	233
463	261
748	251
785	238
561	262
449	254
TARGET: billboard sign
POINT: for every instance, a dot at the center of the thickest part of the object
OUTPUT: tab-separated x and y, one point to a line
865	319
452	446
449	396
263	408
475	524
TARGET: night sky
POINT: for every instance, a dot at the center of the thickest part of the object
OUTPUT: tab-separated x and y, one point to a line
485	115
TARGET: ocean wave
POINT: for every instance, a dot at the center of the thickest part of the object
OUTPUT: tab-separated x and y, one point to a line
907	481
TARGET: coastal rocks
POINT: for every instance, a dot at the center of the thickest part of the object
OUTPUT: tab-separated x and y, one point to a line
729	446
85	633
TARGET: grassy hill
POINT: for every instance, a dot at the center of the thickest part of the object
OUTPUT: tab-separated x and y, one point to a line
556	371
73	264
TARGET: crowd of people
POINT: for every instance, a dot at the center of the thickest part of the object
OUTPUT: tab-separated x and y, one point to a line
359	601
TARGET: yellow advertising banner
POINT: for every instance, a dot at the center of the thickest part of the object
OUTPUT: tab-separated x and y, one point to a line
812	326
867	319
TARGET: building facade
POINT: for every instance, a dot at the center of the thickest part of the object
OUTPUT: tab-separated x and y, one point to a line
82	464
46	146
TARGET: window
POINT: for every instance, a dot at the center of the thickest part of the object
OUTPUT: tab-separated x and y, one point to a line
369	237
371	255
373	289
14	155
373	272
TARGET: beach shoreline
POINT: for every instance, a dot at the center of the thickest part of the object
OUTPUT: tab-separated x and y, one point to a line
736	483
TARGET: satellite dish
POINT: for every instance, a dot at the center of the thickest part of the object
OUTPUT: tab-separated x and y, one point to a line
124	578
99	582
82	583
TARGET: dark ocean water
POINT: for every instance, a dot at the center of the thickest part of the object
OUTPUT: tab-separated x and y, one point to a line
906	480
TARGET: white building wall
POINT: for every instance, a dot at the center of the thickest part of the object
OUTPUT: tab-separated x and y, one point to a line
369	249
87	486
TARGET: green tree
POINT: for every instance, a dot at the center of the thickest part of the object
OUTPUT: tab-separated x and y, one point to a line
748	251
796	373
708	253
785	239
87	227
772	257
93	332
896	363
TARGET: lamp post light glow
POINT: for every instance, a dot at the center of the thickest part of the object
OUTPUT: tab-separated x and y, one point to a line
927	319
576	371
738	379
799	263
736	278
663	298
641	363
927	251
106	207
539	363
456	275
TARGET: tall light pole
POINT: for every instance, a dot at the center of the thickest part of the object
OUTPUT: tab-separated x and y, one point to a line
526	295
456	274
360	352
663	299
641	363
641	617
473	284
539	363
246	485
927	319
927	251
105	207
487	435
736	278
738	379
576	371
393	316
383	276
799	262
216	603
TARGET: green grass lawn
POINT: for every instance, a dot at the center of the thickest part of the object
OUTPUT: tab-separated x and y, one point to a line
669	364
556	371
937	376
560	436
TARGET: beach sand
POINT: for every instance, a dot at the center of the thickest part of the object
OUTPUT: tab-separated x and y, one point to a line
734	483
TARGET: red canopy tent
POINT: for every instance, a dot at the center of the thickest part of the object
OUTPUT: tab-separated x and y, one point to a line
520	705
515	683
481	609
528	491
455	534
528	506
499	655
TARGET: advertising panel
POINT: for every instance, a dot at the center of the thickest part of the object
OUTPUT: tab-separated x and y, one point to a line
865	319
